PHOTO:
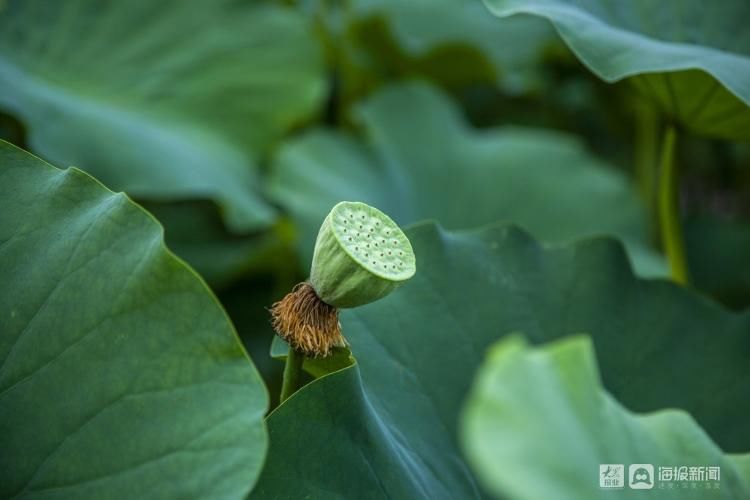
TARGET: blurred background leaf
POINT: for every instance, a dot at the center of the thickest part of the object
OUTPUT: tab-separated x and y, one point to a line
718	251
692	62
166	101
520	453
195	231
422	161
452	42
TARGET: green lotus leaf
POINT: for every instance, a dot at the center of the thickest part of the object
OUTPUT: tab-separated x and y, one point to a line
167	101
394	415
121	376
423	162
693	62
428	36
538	424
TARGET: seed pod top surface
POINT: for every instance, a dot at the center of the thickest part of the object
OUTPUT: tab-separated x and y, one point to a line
373	240
360	256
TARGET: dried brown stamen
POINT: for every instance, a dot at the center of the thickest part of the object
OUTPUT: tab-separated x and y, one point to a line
308	324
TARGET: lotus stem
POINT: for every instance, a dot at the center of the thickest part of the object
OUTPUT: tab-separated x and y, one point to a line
646	153
292	374
669	211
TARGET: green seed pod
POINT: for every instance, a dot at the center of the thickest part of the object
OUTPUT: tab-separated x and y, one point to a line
360	256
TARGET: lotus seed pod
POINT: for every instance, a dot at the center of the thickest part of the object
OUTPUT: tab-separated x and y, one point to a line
360	256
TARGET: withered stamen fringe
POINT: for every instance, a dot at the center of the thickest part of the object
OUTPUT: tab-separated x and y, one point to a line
307	323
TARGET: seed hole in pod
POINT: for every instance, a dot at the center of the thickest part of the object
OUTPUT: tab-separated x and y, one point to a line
363	217
367	254
381	254
373	262
350	238
351	216
383	240
376	243
401	253
387	233
356	249
360	226
389	252
344	229
395	242
368	245
377	223
372	229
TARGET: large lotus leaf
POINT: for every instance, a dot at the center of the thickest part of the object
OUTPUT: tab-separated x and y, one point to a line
538	424
424	162
426	36
693	61
166	100
121	375
387	426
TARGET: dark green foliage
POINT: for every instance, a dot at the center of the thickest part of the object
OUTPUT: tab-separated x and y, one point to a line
522	145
